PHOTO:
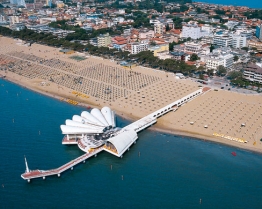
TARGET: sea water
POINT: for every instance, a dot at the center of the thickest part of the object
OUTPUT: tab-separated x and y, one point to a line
159	171
256	4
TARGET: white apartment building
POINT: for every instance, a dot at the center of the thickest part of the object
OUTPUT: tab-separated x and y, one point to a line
2	18
208	28
193	47
103	40
253	72
215	59
239	41
146	34
192	31
159	28
138	47
14	20
222	40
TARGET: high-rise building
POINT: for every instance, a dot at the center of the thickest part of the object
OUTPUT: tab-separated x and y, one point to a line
192	31
159	28
239	41
259	32
222	40
103	40
138	47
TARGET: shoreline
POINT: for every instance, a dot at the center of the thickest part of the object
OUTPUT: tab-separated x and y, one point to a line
229	4
215	116
156	127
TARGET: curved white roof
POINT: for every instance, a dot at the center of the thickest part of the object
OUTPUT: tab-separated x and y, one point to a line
78	130
79	119
96	113
78	124
123	141
108	115
94	120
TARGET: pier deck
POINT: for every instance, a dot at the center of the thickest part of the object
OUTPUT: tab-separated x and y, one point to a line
57	171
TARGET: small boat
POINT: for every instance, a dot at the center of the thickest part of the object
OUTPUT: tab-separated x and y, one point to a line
234	153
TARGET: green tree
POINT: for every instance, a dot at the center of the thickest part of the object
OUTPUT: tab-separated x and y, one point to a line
234	75
194	57
236	58
221	70
245	48
212	47
201	76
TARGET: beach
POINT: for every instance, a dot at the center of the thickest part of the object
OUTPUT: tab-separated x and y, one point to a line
217	115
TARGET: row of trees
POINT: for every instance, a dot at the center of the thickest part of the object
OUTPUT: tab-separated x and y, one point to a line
145	58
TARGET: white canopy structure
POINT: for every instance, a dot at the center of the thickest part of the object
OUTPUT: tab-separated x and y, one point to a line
92	119
121	142
96	113
90	123
109	116
98	129
79	130
83	125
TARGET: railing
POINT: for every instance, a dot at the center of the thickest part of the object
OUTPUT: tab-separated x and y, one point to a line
43	173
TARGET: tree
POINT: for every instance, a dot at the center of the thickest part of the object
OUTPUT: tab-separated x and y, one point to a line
201	76
212	47
234	75
194	57
221	70
245	48
236	58
210	72
167	28
153	43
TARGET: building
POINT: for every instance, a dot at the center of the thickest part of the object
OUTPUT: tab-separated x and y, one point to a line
60	4
138	47
17	26
259	32
103	40
222	40
146	34
119	42
2	19
247	33
239	41
193	47
213	60
159	28
14	20
192	31
253	72
255	44
159	48
179	55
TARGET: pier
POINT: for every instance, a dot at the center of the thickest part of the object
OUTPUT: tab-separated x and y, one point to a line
28	175
118	144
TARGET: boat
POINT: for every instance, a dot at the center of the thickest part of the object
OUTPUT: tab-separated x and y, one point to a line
234	153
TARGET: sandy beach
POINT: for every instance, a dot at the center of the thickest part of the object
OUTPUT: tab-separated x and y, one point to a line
221	116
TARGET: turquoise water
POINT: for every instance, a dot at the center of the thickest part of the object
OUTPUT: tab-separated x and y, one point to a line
171	171
257	4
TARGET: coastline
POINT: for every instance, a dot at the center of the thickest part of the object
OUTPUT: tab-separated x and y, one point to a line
136	94
232	3
156	127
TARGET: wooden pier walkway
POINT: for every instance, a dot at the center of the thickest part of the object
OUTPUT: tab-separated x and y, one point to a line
57	171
